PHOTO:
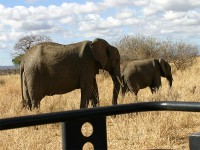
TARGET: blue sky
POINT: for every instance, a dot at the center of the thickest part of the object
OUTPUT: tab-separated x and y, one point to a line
27	3
75	20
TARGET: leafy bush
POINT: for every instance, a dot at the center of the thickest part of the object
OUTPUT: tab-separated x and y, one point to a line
179	53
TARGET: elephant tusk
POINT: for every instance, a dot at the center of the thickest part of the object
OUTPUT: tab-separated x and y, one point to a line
120	81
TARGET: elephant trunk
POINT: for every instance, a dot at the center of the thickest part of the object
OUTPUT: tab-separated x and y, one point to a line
170	80
116	89
117	81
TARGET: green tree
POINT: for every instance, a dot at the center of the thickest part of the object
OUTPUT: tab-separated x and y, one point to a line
24	43
17	60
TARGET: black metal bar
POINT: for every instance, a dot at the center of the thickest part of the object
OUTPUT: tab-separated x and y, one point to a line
31	120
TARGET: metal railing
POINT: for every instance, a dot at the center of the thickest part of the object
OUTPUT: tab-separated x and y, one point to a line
73	120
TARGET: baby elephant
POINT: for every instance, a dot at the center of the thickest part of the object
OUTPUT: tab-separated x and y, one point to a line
139	74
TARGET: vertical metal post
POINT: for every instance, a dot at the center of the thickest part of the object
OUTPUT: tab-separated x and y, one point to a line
194	141
74	139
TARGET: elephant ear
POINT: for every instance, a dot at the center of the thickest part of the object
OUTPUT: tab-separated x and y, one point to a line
99	51
163	65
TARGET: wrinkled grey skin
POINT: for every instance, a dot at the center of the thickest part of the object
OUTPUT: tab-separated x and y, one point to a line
51	68
139	74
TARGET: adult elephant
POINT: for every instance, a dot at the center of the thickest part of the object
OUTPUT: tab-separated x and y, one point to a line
139	74
51	68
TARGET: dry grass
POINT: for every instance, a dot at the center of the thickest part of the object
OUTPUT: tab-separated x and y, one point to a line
147	130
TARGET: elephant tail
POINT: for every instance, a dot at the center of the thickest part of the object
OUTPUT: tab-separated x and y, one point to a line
26	101
22	81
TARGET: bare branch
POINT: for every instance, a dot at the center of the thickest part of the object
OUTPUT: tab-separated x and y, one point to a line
27	42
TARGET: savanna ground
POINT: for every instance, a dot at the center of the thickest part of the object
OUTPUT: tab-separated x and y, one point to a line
146	130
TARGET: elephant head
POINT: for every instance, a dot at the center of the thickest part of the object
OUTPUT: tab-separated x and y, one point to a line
109	59
166	70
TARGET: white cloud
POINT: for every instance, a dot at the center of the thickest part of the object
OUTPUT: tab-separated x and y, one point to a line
125	13
75	8
151	8
108	34
3	38
67	20
189	18
32	26
114	3
110	22
88	16
90	22
96	22
155	6
140	2
171	15
105	18
166	31
175	5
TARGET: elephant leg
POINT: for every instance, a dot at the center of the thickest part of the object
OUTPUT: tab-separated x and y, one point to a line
35	103
26	100
133	88
86	91
85	96
95	94
35	100
36	94
156	84
124	90
136	92
153	90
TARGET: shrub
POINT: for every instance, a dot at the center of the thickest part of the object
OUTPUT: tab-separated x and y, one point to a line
183	55
179	53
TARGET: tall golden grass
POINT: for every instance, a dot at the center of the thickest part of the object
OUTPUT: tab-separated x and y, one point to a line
146	130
